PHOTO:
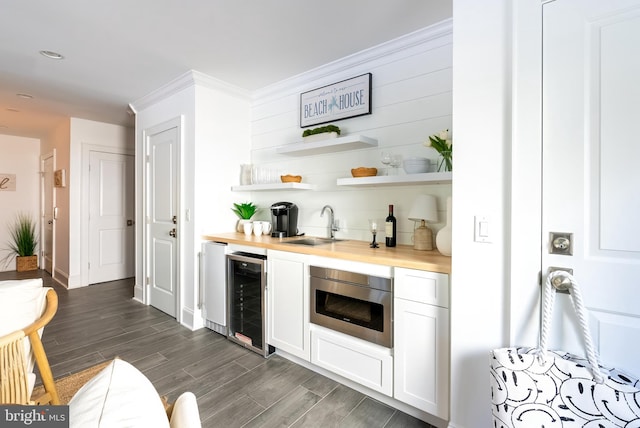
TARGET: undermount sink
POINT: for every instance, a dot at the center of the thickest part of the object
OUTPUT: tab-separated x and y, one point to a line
311	241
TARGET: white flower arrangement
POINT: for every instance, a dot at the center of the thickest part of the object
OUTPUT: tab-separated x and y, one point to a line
442	144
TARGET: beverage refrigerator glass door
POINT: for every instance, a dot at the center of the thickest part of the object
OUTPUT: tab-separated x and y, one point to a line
246	281
390	229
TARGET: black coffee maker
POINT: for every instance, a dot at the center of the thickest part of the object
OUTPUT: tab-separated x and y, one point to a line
284	219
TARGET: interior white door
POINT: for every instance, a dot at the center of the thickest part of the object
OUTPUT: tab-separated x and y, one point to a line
591	150
47	214
162	208
111	206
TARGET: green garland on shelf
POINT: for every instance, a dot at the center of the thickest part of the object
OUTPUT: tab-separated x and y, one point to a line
320	130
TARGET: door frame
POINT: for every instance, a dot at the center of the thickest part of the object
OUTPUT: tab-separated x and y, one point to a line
84	206
43	158
176	122
525	246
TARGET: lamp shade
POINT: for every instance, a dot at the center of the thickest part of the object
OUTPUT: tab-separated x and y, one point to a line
424	208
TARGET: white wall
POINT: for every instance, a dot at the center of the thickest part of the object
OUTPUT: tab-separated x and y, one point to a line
496	293
85	135
59	139
481	186
68	139
215	139
19	156
411	99
181	105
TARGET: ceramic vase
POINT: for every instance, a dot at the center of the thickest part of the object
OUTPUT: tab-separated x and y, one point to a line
443	238
240	225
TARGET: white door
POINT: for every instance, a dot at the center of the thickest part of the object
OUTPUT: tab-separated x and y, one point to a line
591	172
162	209
111	202
47	219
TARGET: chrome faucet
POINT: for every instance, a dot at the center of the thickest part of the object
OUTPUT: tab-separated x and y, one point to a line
333	227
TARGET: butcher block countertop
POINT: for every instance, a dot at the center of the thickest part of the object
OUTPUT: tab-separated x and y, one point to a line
400	256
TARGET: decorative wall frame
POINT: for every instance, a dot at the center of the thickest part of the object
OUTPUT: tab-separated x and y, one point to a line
7	182
338	101
59	178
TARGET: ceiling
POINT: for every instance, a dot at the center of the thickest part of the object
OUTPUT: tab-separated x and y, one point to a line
117	51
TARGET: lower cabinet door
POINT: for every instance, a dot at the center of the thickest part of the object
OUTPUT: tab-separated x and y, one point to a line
421	356
362	362
288	303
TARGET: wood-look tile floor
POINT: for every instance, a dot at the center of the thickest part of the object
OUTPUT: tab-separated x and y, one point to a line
234	387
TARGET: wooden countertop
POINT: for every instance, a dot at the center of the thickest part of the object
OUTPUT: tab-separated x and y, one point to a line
401	256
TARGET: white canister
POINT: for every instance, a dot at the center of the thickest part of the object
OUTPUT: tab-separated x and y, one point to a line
248	227
257	228
245	174
266	227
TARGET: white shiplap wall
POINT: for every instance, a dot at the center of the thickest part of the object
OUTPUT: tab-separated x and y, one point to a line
411	99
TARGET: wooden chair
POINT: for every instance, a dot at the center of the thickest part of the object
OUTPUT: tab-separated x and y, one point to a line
14	384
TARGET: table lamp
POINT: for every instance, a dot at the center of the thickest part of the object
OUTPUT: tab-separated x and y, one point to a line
423	210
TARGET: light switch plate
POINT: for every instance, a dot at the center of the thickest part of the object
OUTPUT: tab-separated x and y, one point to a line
482	229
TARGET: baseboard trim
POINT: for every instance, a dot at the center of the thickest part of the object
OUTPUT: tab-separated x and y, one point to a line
60	277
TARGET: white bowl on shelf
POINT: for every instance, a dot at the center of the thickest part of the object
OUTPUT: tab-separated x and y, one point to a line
416	165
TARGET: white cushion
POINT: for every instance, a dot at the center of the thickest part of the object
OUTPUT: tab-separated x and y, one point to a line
119	396
21	283
185	412
21	303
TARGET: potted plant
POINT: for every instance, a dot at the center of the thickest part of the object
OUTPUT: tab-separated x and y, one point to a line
320	133
244	211
23	241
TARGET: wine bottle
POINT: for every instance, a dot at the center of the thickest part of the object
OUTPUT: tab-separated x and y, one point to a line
390	229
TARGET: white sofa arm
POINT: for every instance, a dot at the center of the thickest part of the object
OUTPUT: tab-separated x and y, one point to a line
185	412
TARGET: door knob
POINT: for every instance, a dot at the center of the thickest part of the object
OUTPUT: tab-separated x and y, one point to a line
129	222
560	282
172	232
175	219
561	243
50	222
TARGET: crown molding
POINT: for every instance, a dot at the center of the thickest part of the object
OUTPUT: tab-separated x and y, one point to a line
182	82
424	36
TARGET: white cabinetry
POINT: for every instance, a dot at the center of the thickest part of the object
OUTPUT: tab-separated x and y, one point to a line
363	362
288	302
421	340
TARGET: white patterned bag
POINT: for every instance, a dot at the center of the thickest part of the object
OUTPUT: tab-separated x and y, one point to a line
535	388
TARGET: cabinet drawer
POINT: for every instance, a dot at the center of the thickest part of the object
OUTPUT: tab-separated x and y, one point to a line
354	359
422	286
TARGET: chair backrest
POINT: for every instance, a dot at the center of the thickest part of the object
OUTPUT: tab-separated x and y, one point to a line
13	369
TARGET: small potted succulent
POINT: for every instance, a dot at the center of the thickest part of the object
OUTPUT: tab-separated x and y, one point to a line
23	240
244	211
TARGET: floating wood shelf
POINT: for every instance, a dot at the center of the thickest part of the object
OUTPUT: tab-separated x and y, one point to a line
394	180
273	186
330	145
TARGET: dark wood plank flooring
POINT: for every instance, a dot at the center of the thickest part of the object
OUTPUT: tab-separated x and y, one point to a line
234	387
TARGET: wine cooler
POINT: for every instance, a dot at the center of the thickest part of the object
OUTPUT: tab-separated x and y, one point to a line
246	282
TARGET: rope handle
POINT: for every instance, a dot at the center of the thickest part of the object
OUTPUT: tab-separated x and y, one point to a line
578	306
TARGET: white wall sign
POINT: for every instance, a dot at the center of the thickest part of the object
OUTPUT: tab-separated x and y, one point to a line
7	182
341	100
